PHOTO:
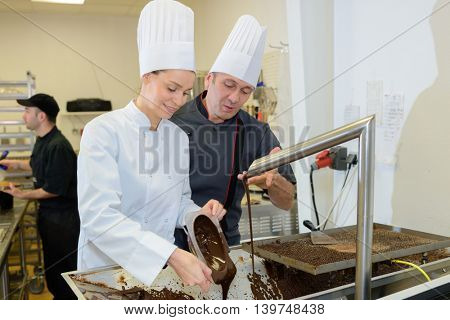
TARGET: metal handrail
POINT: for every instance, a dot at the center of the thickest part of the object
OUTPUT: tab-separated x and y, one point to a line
364	131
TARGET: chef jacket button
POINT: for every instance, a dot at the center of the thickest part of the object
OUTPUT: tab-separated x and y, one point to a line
170	177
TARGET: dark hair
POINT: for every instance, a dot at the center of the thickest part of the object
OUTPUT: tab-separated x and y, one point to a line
51	119
214	74
156	72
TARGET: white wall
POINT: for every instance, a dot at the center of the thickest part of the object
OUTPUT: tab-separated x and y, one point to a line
62	68
410	178
420	198
411	138
310	28
317	27
214	20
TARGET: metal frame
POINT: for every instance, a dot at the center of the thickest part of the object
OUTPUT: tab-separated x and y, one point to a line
27	88
268	221
364	131
29	84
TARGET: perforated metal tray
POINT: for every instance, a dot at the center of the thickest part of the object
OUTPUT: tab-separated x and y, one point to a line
437	242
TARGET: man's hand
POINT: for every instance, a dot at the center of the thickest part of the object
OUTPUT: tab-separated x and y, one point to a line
191	270
267	179
11	164
29	194
281	191
15	192
16	164
214	208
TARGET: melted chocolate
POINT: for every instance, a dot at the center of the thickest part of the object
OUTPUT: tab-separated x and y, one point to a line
140	294
215	253
263	291
249	207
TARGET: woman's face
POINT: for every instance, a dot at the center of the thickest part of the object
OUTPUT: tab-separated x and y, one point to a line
166	91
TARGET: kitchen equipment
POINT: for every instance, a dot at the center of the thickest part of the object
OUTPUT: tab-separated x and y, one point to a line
364	131
6	201
101	283
207	241
88	105
318	237
321	259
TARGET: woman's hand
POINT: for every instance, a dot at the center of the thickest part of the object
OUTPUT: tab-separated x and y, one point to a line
214	208
191	270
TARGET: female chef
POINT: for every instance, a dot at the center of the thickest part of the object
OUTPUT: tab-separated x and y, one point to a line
133	166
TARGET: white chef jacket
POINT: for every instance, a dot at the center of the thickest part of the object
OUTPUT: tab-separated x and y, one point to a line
133	190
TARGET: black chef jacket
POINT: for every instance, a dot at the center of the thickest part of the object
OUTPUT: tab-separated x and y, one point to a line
54	165
212	149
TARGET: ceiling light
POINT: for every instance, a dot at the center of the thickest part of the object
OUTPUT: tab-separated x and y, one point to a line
61	1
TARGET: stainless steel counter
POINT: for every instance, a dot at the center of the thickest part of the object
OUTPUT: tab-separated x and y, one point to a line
10	224
102	283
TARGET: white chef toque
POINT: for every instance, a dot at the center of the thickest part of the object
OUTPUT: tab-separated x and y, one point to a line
241	56
165	37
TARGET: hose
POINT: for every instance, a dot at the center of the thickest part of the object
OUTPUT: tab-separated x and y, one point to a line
414	266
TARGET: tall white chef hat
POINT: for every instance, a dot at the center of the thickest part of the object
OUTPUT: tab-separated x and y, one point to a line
241	56
165	37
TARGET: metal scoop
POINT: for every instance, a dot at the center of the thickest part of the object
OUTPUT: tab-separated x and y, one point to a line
208	243
318	237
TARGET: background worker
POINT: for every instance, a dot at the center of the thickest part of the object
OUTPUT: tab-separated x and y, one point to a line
54	167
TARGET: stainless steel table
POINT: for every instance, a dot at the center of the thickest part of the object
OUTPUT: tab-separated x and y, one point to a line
11	224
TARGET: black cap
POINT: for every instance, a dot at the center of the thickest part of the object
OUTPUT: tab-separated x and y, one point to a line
42	101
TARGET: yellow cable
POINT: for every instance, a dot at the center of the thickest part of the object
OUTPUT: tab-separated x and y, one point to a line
414	266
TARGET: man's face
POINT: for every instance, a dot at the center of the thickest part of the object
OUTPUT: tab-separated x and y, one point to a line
226	95
32	117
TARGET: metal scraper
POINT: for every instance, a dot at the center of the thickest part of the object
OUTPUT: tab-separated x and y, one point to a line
318	237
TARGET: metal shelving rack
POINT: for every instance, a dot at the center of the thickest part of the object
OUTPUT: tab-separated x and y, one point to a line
20	144
13	90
